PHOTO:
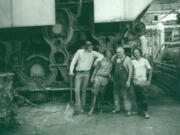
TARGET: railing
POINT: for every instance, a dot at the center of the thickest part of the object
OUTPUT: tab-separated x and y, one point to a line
167	76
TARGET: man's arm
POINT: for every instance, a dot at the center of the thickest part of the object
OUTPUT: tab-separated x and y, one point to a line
98	66
150	76
149	69
113	57
98	57
73	62
130	72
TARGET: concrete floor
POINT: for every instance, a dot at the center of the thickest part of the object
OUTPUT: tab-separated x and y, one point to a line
48	119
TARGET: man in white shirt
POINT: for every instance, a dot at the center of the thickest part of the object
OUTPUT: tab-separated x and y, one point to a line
83	60
141	68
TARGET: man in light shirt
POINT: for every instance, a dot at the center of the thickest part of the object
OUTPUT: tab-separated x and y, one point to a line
141	68
82	63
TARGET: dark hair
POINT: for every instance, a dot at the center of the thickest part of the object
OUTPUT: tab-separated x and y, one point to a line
87	44
105	51
136	48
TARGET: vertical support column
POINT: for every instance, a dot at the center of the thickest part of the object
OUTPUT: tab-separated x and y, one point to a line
152	53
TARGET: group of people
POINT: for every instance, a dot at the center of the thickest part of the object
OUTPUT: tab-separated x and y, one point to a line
130	77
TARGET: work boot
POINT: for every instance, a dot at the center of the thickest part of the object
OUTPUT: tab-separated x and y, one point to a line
146	115
90	112
134	112
128	113
116	110
78	110
100	107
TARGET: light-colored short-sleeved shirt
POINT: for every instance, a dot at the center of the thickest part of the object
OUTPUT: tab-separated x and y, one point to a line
140	70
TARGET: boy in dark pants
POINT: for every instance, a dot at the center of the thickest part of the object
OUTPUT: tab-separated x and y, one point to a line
141	82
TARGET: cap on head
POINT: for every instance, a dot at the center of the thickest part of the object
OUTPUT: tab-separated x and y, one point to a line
88	43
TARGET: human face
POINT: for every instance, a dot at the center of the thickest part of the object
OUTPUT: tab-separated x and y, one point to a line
90	48
120	52
137	54
108	54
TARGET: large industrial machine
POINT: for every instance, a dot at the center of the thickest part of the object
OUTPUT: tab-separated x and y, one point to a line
38	38
167	69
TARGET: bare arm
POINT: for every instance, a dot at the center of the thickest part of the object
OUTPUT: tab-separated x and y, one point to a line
150	76
98	57
130	69
149	69
95	71
130	72
113	57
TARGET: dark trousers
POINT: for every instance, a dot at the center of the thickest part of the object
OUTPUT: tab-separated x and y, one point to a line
141	97
122	90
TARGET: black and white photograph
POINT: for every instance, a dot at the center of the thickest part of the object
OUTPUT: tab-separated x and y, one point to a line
89	67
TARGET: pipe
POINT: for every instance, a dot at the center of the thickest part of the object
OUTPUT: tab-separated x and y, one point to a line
74	2
79	9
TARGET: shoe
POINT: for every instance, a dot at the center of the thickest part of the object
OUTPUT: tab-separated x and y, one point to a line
101	110
82	111
146	115
134	112
90	112
116	111
79	111
129	113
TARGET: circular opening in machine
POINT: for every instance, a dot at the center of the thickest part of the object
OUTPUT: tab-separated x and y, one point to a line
37	67
57	29
59	57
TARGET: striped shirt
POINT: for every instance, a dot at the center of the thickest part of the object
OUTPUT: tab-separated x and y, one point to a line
106	67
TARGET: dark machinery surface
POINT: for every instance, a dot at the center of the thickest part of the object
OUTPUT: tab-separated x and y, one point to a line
167	70
40	55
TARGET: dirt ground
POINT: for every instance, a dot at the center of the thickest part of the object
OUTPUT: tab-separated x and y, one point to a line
49	119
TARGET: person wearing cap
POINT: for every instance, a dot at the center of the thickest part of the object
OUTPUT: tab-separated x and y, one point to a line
82	62
141	67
